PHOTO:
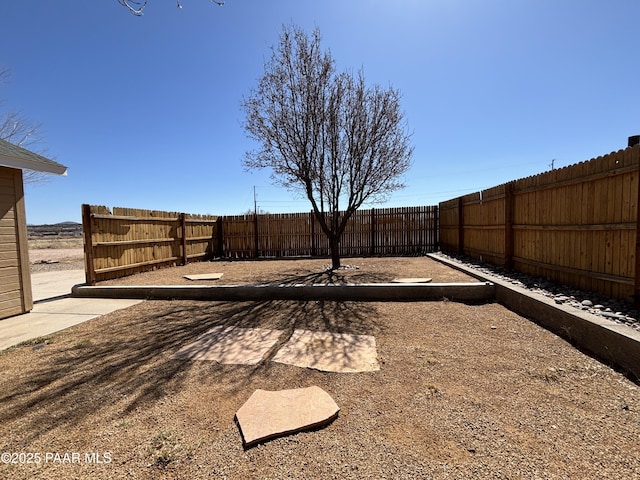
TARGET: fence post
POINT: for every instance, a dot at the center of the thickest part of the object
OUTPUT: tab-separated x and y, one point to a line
255	236
636	296
435	228
508	226
373	232
183	228
312	230
460	226
220	239
89	270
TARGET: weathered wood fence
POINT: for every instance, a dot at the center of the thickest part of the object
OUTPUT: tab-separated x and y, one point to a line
378	231
575	225
128	241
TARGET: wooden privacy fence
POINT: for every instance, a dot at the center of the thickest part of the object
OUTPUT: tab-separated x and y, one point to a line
575	225
378	231
128	241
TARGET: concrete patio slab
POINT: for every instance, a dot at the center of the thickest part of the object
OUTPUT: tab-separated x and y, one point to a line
231	345
47	285
48	317
54	309
330	352
267	415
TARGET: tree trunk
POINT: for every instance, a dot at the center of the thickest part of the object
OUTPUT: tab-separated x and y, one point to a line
334	247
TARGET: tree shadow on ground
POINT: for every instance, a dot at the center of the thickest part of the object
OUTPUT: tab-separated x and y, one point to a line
341	276
124	359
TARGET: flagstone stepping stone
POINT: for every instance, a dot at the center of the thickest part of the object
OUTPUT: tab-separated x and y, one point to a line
204	276
267	414
231	345
412	280
330	352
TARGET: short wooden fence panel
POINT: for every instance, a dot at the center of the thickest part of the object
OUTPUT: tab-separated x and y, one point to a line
127	241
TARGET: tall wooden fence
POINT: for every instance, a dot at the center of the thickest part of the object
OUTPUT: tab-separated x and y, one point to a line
384	231
575	225
128	241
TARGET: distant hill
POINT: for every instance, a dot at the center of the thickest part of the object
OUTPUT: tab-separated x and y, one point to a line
63	229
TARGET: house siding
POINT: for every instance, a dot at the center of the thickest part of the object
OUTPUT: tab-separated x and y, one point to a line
15	281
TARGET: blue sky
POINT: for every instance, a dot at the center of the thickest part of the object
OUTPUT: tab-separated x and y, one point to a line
145	111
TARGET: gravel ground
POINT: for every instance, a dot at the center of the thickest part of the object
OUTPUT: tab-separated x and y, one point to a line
464	391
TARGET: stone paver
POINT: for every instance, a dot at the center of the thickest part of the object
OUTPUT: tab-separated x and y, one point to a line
412	280
267	415
204	276
330	352
231	345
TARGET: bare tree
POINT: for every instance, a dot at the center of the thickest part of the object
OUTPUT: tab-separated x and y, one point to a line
16	129
325	133
136	7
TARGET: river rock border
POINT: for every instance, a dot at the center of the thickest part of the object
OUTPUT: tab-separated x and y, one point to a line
616	310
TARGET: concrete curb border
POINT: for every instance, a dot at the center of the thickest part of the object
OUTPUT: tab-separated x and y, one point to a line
610	342
479	292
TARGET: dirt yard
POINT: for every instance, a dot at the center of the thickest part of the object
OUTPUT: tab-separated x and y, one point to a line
47	254
464	391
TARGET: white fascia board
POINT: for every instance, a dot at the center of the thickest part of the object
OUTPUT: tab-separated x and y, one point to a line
26	164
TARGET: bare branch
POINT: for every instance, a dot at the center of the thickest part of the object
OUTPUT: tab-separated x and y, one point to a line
136	7
16	129
325	133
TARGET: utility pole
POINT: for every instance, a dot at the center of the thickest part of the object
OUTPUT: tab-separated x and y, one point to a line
553	161
255	202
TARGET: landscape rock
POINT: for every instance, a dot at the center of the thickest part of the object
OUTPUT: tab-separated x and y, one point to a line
561	294
267	414
614	316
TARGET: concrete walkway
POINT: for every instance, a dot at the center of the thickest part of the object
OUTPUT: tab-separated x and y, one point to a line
54	309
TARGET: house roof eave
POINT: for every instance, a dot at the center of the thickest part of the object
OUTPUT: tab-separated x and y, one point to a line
14	156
